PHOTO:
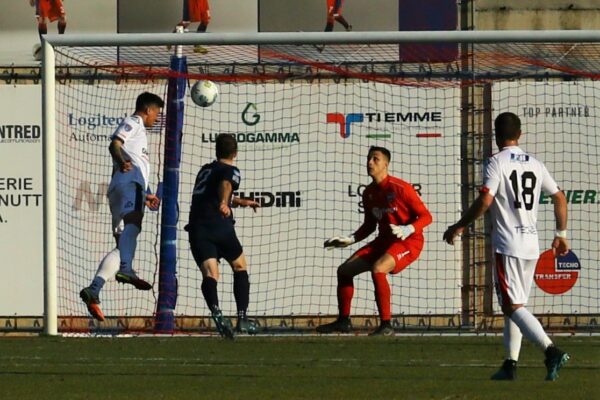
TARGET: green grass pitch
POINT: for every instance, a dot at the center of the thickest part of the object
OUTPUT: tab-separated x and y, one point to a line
281	367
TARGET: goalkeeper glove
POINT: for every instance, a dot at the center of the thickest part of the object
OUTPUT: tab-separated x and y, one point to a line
339	241
402	231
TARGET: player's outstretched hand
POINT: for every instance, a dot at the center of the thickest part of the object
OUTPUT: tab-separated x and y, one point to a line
402	231
339	241
152	202
452	232
251	203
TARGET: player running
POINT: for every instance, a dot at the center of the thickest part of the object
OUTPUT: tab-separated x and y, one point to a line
512	185
395	207
196	11
334	13
127	194
212	235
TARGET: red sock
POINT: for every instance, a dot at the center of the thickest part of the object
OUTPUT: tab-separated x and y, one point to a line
382	295
345	291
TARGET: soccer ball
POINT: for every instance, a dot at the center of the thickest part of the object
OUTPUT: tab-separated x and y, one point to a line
204	93
37	52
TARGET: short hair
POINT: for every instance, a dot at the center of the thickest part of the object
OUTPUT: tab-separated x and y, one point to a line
146	100
508	126
226	145
383	150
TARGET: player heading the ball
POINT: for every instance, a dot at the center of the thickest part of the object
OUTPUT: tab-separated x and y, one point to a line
128	193
513	181
393	206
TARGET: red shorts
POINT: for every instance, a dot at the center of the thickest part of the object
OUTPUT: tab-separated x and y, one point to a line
197	11
331	11
50	9
403	254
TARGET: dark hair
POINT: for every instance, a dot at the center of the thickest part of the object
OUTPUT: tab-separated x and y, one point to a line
146	100
508	126
383	150
226	145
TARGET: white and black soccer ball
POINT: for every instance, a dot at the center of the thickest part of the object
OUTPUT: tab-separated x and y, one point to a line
204	93
37	52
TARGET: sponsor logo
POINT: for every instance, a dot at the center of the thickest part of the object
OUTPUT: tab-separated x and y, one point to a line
557	275
574	110
91	122
85	195
269	199
250	118
255	117
258	137
20	133
345	121
575	197
358	190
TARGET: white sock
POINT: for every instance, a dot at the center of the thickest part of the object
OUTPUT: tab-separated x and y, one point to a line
531	327
127	244
512	339
109	265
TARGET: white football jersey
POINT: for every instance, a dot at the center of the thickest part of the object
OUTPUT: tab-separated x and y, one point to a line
516	179
135	148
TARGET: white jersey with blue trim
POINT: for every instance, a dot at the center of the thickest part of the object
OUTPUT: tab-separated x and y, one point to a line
135	149
516	179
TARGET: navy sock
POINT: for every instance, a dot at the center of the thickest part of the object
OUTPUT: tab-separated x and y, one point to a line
209	291
241	292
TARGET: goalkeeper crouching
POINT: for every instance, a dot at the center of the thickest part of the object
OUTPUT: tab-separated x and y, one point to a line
393	206
212	234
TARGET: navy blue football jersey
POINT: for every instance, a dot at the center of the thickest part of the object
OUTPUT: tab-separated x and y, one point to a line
205	198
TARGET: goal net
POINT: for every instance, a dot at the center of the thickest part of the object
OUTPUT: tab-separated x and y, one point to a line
304	113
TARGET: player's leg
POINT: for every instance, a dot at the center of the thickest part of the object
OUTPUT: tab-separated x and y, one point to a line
359	262
396	258
340	18
199	11
59	10
230	248
206	254
241	292
331	6
109	265
40	16
514	278
132	199
204	9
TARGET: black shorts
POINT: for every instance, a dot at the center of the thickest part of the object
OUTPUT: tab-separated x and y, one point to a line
214	241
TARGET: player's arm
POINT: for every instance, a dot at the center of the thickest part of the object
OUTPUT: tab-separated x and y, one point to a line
418	208
116	151
237	201
368	226
560	245
477	209
224	193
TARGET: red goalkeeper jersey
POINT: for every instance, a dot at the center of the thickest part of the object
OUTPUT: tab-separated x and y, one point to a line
393	201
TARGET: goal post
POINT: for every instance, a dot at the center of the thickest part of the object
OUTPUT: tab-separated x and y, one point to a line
305	107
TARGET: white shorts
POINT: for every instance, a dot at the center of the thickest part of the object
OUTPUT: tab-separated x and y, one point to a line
513	278
122	200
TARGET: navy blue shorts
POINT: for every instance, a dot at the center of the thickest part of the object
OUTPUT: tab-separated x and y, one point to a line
214	241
